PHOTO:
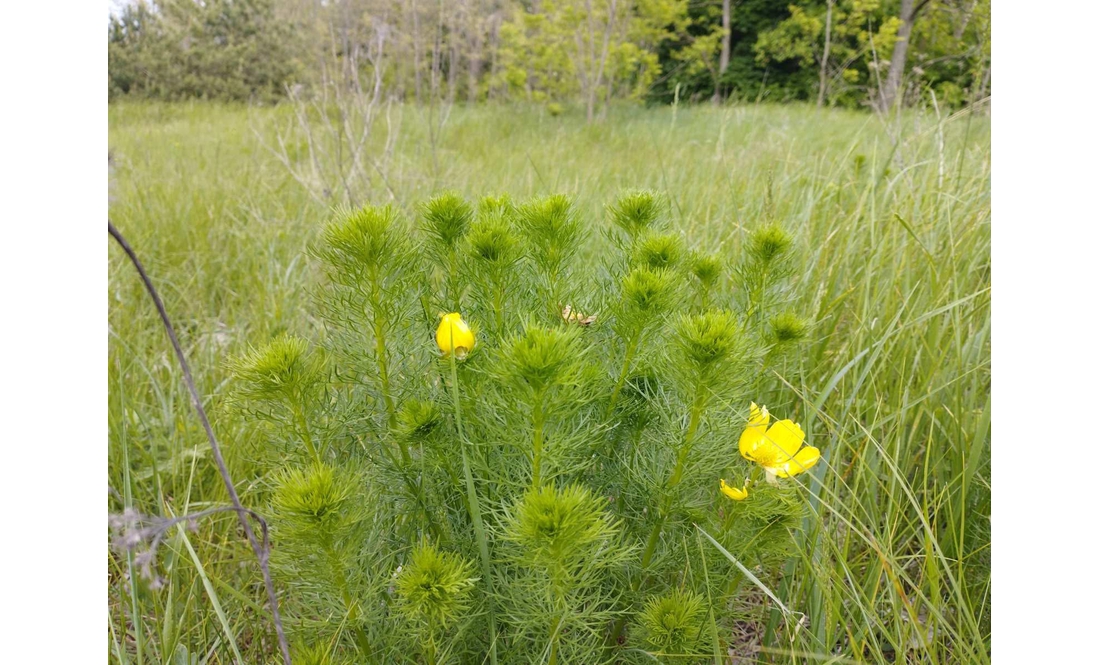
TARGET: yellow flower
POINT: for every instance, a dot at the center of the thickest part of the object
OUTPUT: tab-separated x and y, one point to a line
758	424
778	449
454	335
734	493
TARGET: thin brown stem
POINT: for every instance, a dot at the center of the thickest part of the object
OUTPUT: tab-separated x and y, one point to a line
261	551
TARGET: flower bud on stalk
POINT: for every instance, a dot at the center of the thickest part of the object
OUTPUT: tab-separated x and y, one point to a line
454	335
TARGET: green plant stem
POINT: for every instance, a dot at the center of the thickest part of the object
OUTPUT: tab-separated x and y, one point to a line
455	297
380	352
756	302
383	373
628	358
689	438
650	548
350	604
553	660
539	420
300	418
554	303
429	651
475	509
694	419
498	307
415	488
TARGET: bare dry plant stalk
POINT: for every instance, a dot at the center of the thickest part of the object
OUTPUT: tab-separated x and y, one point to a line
143	534
333	122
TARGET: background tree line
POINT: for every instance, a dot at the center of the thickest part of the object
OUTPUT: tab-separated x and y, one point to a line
835	52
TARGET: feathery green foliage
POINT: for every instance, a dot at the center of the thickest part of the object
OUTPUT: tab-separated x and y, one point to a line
281	370
558	530
671	624
418	419
446	219
658	250
433	595
788	327
647	294
362	241
542	358
706	268
768	243
493	241
708	341
434	588
565	548
639	210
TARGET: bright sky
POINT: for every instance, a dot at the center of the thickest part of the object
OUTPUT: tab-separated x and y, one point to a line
113	6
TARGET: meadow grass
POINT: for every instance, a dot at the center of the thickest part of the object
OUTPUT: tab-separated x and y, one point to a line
891	218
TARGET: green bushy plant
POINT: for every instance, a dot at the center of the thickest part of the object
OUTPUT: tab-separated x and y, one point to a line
533	498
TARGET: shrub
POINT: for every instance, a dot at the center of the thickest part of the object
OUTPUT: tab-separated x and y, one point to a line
533	498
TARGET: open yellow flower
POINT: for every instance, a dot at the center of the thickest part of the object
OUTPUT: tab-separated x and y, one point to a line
734	493
454	335
778	449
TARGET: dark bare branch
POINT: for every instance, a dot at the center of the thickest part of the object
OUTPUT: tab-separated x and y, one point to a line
260	550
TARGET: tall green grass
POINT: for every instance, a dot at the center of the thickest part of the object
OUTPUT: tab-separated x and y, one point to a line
891	219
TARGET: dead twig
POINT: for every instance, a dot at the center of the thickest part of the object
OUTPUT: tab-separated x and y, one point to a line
261	550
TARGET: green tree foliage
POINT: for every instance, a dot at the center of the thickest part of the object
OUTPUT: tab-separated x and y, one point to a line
744	77
951	53
860	33
591	49
776	51
217	49
556	52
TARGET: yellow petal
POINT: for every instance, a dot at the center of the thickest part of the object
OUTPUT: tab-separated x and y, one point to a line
454	335
733	492
754	432
803	460
784	439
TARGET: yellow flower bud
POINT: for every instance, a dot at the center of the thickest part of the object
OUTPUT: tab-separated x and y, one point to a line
454	335
733	492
